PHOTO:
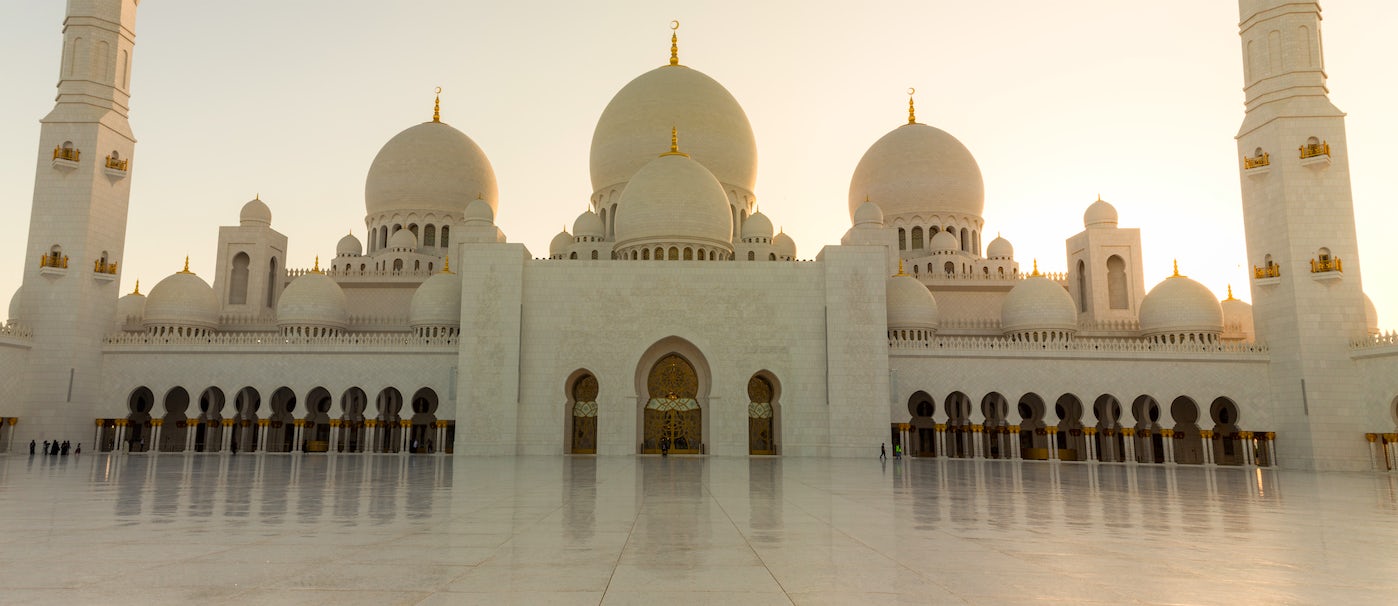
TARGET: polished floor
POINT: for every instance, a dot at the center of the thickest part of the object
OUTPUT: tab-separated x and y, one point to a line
345	530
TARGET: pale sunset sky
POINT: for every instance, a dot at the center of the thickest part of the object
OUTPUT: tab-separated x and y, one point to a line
1058	101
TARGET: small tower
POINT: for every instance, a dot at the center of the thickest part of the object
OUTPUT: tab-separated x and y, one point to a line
1308	302
251	267
77	227
1105	277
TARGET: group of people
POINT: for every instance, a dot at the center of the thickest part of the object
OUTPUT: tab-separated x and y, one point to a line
897	451
55	447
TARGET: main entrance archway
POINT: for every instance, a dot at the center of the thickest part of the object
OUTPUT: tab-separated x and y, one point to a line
672	414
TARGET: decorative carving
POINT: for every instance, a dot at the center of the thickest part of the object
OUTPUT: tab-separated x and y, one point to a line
759	390
585	389
673	378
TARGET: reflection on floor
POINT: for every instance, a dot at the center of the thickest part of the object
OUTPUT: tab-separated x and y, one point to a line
439	530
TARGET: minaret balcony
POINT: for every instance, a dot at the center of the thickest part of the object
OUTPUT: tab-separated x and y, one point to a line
53	264
66	157
1260	161
1266	275
1327	268
104	270
1315	155
116	167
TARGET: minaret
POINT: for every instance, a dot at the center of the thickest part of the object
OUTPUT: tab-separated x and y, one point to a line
77	226
1308	302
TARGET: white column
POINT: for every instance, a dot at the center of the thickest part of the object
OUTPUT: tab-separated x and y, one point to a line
406	431
120	437
1248	460
155	438
1207	439
1014	442
262	436
97	437
225	440
334	439
1128	443
1388	453
1167	442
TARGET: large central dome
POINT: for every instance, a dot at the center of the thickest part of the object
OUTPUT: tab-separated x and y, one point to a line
429	167
716	131
917	169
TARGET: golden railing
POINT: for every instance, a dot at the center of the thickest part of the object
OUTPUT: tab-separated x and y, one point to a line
54	260
104	267
65	153
116	164
1324	265
1311	150
1271	271
1257	161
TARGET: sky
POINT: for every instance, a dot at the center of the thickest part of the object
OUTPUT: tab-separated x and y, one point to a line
1058	101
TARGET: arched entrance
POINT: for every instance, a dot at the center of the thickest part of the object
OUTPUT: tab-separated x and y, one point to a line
762	414
582	412
996	410
1069	432
1033	434
923	438
1228	448
389	435
173	432
960	439
138	421
672	413
424	421
281	431
352	436
315	431
1150	447
245	429
1189	448
1110	443
208	434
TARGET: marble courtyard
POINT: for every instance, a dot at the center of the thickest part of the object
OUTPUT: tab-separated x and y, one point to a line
391	529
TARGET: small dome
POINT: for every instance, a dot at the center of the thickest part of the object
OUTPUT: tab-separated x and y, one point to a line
1000	248
130	308
313	299
784	245
183	299
1180	305
1371	316
437	302
255	213
479	210
757	226
589	225
918	169
349	246
868	213
1099	214
402	240
1237	318
944	241
16	301
674	199
910	304
1038	303
429	167
560	243
633	127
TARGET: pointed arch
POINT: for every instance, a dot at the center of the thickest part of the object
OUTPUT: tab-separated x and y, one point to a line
672	397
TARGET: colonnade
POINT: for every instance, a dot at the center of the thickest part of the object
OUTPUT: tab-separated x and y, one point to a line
1137	446
396	432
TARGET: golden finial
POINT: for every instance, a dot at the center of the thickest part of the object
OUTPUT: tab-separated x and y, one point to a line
186	265
1036	270
446	265
480	196
1177	269
138	287
675	144
912	115
1099	197
437	106
1230	293
674	43
866	197
900	268
316	269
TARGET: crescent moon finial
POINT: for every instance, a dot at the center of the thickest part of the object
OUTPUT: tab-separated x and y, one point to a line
911	91
674	24
674	42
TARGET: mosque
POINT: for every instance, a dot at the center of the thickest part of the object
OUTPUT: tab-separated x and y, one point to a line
673	315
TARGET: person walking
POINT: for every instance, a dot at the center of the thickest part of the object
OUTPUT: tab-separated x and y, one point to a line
883	451
897	451
31	448
46	448
79	449
664	447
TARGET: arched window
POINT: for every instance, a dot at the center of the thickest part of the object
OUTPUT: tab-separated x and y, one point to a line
917	238
950	268
446	232
674	254
1323	253
965	240
1082	287
752	256
688	254
397	265
703	255
1116	283
429	235
272	283
645	254
412	227
594	255
771	256
238	280
573	255
902	239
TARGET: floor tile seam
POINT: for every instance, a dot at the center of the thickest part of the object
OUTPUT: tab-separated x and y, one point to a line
746	541
629	533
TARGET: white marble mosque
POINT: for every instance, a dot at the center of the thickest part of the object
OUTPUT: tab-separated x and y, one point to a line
431	333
